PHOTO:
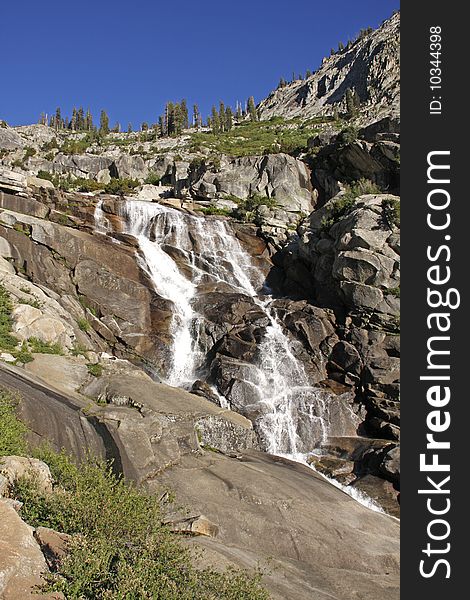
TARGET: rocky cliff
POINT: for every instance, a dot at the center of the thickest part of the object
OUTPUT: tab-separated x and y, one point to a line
369	67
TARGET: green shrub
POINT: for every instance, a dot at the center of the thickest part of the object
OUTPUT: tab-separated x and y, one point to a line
18	163
346	202
39	347
34	303
152	178
71	146
78	350
88	185
7	340
95	369
29	152
23	355
391	211
347	135
83	324
12	430
246	209
121	186
45	175
216	210
120	549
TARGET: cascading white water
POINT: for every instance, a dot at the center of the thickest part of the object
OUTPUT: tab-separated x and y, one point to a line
101	221
150	224
212	252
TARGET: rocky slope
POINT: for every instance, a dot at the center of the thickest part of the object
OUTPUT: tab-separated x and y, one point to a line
370	67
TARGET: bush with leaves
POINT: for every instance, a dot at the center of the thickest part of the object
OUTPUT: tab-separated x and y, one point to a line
346	202
12	430
120	548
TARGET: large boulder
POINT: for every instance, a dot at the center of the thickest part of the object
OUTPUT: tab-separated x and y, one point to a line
277	176
22	564
9	139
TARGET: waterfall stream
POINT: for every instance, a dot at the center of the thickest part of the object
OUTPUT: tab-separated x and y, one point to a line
179	251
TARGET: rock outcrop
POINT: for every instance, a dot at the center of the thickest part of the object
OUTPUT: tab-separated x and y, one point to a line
369	67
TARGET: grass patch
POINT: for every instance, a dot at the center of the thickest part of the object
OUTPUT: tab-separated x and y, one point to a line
12	430
153	178
79	350
83	324
259	137
34	303
95	369
216	210
39	347
7	340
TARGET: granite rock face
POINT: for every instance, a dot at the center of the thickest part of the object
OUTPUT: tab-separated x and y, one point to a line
370	67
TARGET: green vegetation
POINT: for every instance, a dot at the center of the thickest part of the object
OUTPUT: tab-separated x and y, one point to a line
67	183
119	547
77	146
152	178
95	369
23	355
78	350
39	347
347	135
7	340
29	152
83	324
395	292
246	209
12	430
216	210
34	303
391	211
346	202
253	138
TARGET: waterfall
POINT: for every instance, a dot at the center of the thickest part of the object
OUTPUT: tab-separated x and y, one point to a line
102	224
180	251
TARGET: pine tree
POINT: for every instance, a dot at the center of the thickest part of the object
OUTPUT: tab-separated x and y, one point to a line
88	120
238	112
222	116
104	122
340	46
196	116
228	119
80	119
58	119
184	114
42	119
73	120
252	109
350	105
308	74
215	120
129	127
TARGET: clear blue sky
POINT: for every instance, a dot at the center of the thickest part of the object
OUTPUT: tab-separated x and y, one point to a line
130	57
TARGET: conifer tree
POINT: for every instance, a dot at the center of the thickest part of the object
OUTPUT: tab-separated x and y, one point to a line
80	119
308	74
238	112
129	127
196	116
58	119
184	114
350	105
228	119
222	116
88	120
104	122
215	120
252	109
